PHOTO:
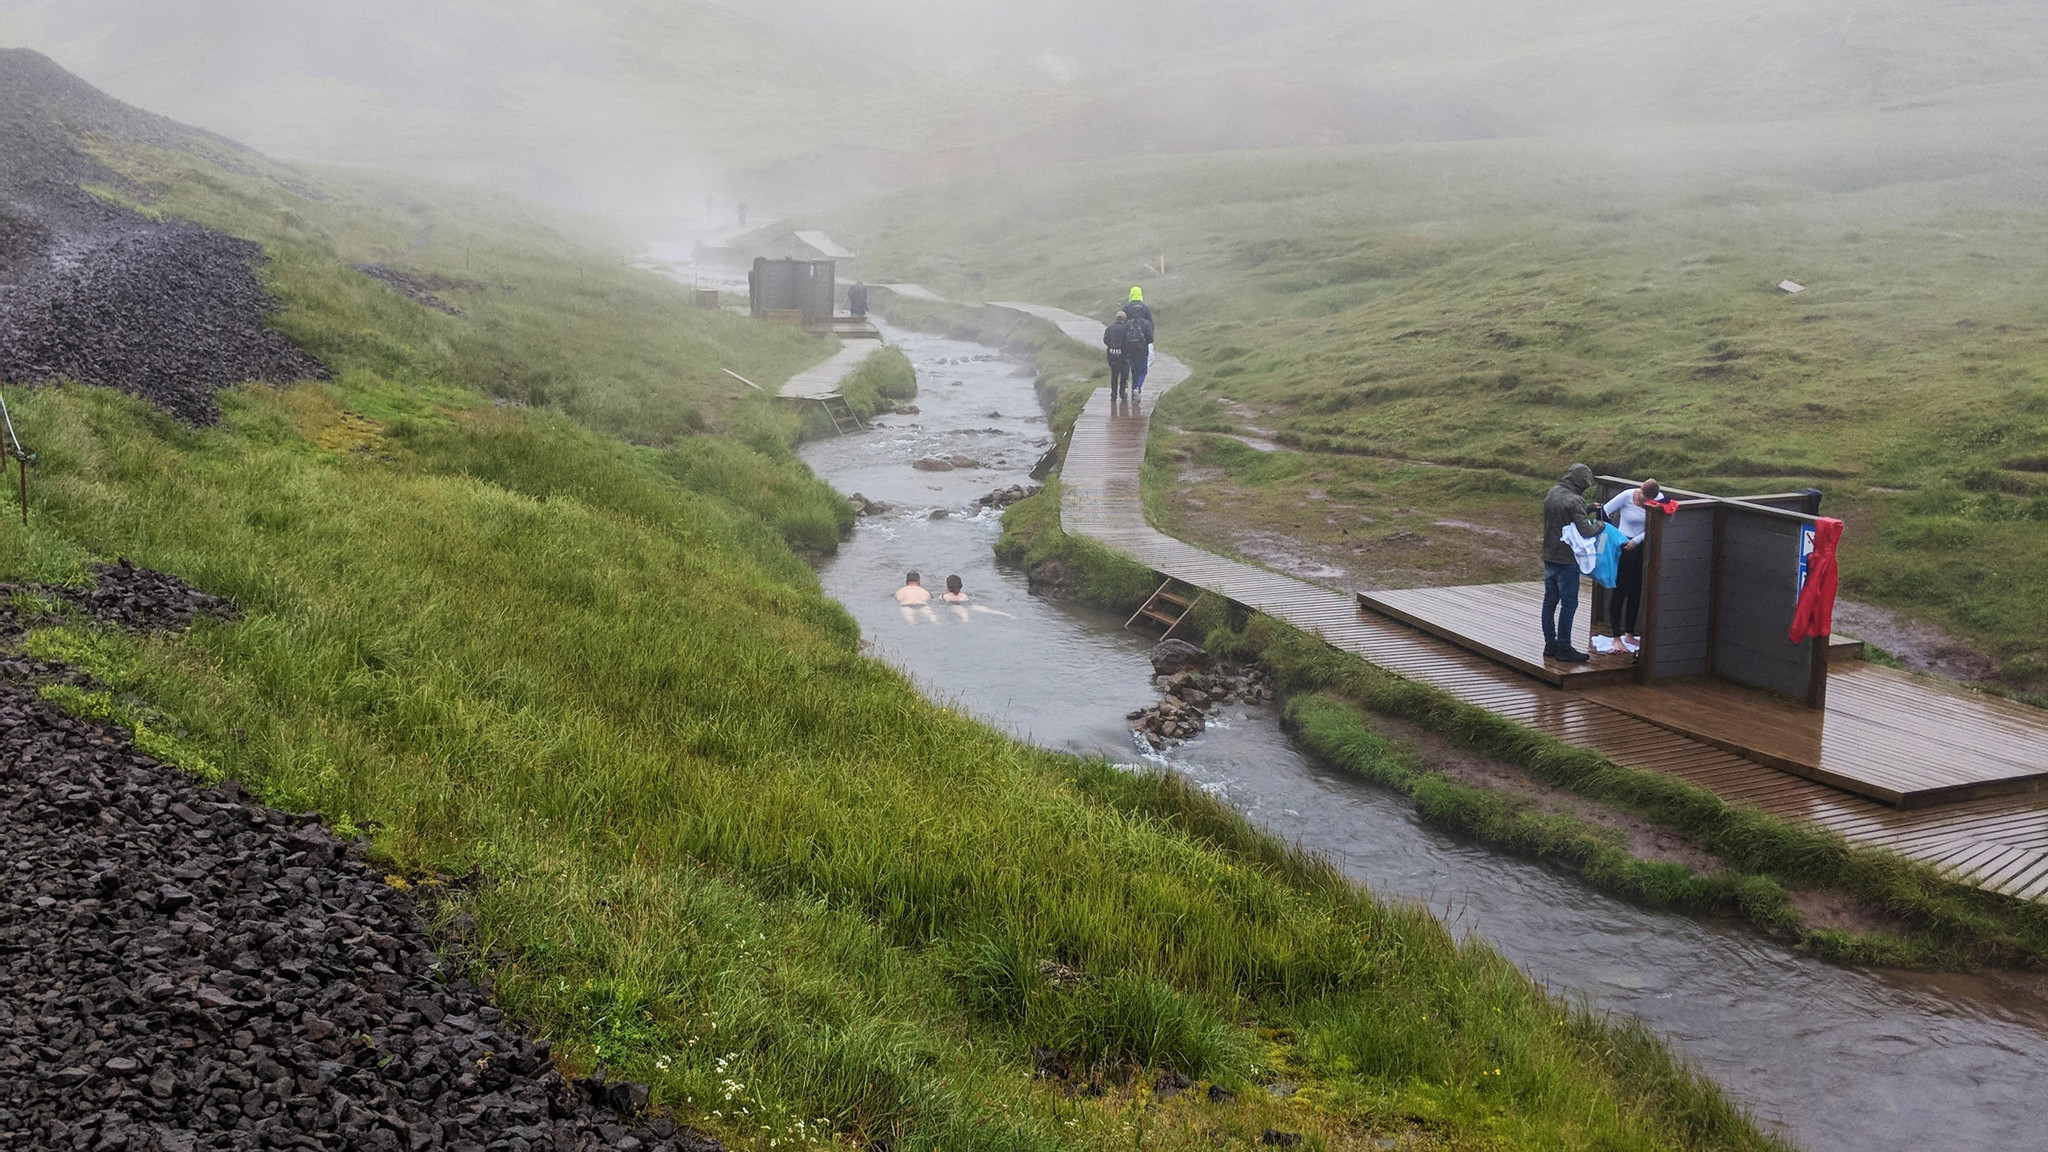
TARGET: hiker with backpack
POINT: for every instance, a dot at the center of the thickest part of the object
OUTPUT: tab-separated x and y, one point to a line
1138	334
1113	339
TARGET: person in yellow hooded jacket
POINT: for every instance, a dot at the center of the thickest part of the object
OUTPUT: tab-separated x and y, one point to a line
1137	340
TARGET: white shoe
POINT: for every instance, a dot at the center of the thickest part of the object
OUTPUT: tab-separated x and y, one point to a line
1632	644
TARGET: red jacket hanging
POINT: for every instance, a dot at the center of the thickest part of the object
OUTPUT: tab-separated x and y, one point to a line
1815	613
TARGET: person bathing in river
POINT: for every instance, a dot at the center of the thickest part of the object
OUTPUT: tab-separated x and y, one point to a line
956	602
1629	511
1138	334
1119	369
1566	504
913	594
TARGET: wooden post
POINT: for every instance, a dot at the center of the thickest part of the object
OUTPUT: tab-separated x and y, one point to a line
23	465
1714	590
1817	678
1653	577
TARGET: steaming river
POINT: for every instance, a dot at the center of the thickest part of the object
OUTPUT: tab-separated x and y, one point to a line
1835	1058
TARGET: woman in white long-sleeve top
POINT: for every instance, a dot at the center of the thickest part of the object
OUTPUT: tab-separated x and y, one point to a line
1628	512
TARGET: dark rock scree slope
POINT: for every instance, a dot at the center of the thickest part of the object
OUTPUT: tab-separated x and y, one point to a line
182	968
93	292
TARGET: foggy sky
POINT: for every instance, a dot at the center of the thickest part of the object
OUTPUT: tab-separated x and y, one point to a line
650	105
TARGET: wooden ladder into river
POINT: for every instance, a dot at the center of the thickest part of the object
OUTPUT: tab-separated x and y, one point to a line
843	418
1168	605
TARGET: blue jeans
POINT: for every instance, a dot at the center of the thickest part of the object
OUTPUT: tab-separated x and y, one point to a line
1560	602
1141	363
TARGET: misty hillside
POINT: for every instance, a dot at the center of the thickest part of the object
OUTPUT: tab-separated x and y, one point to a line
634	105
630	103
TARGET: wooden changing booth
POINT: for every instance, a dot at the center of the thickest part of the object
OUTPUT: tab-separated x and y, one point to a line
1721	577
800	291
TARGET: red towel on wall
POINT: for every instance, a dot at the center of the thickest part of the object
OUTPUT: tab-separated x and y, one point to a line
1667	507
1815	613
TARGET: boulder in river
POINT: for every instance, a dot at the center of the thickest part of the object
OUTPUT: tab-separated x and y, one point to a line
1053	576
1170	656
934	464
964	461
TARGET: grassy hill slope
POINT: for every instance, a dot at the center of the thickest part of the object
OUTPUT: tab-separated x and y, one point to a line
710	844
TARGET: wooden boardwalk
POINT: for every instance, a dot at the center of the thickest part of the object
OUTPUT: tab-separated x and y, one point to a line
822	378
2000	843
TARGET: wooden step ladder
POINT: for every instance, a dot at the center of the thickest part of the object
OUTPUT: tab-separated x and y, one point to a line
1168	605
842	414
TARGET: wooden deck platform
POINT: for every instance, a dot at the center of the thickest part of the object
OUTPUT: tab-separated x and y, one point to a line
1504	622
1909	741
1997	843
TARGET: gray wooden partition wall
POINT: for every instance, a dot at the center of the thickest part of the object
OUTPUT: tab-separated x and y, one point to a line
807	286
1720	582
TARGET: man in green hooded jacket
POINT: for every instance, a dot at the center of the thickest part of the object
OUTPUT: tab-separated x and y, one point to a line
1566	504
1137	340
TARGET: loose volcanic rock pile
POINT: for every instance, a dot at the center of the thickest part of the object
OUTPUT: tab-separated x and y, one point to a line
1193	688
135	599
94	292
181	968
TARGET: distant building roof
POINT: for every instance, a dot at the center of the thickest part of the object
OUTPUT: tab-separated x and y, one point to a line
825	245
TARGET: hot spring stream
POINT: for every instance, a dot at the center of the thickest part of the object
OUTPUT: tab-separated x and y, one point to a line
1835	1058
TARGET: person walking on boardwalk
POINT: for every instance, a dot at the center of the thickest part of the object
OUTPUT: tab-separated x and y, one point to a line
1119	369
857	300
1138	340
1566	505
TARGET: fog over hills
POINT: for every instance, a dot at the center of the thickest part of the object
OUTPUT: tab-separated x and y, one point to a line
648	106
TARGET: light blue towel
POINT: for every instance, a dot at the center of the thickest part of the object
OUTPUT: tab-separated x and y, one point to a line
1607	566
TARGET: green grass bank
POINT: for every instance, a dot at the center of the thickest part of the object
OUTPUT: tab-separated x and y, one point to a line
513	613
